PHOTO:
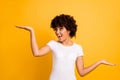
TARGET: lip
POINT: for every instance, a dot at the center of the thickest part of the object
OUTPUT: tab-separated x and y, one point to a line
59	36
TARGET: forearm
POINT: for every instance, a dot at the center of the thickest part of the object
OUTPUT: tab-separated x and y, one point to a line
34	46
90	68
35	50
83	71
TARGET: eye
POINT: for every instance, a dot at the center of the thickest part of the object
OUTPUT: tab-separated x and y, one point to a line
61	28
55	29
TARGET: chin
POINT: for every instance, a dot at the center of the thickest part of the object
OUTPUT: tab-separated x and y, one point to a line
61	40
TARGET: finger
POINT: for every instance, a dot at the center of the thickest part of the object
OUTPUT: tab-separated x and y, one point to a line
20	27
111	64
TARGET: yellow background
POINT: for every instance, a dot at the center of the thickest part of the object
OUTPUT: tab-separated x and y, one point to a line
98	32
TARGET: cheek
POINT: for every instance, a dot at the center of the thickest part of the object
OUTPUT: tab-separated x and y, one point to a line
65	33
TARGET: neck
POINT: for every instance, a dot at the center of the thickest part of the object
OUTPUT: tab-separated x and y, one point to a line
67	42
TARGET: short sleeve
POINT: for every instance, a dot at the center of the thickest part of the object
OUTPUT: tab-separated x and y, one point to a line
51	44
80	51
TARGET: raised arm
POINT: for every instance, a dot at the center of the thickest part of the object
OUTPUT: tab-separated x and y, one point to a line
35	50
83	71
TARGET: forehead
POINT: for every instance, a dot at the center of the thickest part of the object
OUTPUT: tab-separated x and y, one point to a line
59	27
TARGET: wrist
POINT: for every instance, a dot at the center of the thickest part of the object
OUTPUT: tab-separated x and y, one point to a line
31	30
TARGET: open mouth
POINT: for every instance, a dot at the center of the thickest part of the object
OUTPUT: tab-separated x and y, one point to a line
59	36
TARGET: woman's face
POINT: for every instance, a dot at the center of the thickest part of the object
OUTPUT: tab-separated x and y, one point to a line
62	33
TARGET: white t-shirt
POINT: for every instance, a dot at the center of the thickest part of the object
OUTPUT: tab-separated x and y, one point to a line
64	58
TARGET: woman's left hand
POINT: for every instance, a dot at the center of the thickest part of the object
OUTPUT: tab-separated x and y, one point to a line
106	63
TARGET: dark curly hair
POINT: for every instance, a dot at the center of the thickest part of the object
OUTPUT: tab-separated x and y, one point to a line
67	21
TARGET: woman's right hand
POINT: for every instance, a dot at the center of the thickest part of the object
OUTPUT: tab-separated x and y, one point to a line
25	27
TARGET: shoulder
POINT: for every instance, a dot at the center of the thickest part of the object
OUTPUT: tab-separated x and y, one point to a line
79	50
52	44
78	46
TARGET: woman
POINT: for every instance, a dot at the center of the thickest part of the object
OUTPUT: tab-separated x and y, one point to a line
65	52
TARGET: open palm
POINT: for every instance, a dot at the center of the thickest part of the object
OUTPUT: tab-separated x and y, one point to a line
25	27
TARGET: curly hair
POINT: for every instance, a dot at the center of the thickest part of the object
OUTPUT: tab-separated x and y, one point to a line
67	21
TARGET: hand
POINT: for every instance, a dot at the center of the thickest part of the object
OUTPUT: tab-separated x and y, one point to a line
106	63
25	27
